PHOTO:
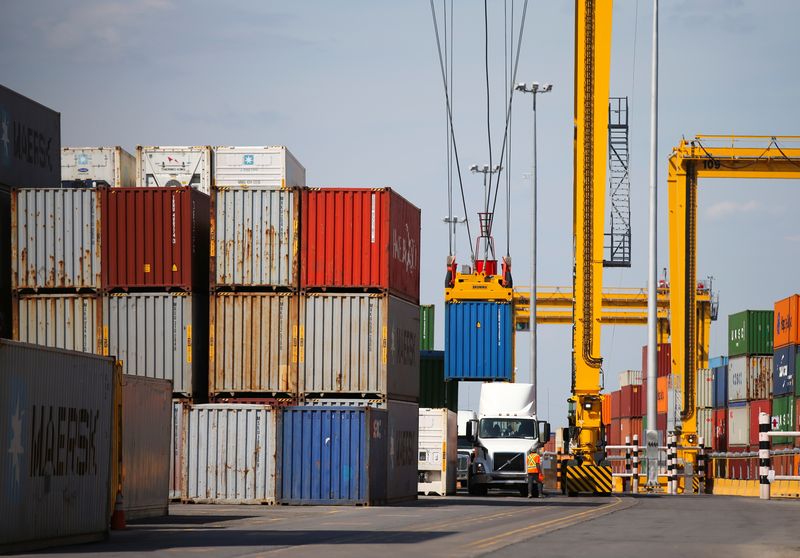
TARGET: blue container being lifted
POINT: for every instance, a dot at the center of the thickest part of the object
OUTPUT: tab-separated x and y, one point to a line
479	341
334	455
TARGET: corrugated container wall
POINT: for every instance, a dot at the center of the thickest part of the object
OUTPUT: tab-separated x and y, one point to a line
479	341
427	319
56	486
630	378
63	321
616	404
614	432
434	391
749	378
253	343
257	167
56	239
704	388
157	167
360	238
155	238
720	430
787	327
783	409
784	366
332	455
160	335
750	333
738	425
5	264
438	452
705	426
254	237
146	410
176	465
112	165
630	401
401	476
720	398
662	397
757	407
664	359
359	344
230	454
32	144
629	426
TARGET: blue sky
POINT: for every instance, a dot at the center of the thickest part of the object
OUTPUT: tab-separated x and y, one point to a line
354	90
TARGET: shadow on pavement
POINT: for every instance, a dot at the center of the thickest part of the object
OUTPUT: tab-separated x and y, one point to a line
505	501
180	519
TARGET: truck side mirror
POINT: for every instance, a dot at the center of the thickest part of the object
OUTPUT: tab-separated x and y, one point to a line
544	431
472	430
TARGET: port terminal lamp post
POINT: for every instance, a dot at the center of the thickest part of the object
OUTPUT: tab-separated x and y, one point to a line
534	89
486	217
452	225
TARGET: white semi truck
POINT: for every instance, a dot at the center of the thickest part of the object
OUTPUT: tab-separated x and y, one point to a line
504	433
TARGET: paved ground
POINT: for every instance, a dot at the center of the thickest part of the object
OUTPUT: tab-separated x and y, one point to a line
500	525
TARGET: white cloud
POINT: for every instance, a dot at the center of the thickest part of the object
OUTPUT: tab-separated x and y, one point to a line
722	209
793	238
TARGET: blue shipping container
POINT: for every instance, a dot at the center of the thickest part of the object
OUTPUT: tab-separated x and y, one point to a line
717	362
333	455
783	370
478	341
720	395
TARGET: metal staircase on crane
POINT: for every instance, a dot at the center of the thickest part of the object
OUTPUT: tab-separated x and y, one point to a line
618	239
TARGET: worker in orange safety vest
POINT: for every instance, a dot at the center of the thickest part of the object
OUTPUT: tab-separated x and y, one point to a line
535	475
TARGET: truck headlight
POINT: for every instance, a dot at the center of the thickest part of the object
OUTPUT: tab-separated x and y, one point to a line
479	468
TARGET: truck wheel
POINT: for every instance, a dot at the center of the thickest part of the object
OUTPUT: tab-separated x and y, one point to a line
477	490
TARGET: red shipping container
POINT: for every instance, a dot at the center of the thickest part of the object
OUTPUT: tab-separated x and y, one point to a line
614	432
744	468
756	407
631	401
615	404
155	238
720	442
629	427
661	423
664	359
359	238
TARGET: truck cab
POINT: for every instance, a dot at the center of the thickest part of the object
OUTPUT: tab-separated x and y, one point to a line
464	447
504	433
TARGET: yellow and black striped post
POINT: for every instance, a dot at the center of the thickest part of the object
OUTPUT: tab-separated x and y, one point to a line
589	479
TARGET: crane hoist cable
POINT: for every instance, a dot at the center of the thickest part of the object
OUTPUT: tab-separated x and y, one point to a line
508	45
448	68
452	129
488	103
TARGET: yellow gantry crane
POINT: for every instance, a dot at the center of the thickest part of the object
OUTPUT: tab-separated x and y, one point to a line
707	156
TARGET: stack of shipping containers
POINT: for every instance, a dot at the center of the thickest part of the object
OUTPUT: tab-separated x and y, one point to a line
358	349
624	412
786	391
665	392
704	403
749	378
719	402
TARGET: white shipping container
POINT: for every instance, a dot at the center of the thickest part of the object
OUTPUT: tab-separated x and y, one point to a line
160	335
630	378
63	321
438	451
359	344
705	426
113	165
176	468
174	166
738	425
402	475
56	417
55	238
704	385
146	409
749	378
229	452
271	166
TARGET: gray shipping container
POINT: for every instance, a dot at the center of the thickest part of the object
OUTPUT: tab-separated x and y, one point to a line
253	343
359	344
5	263
174	166
56	416
113	165
63	321
229	452
176	468
146	409
704	388
30	157
56	241
271	166
160	335
749	378
402	474
254	237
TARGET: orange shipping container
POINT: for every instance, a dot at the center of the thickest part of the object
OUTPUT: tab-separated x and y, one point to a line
787	329
662	384
605	416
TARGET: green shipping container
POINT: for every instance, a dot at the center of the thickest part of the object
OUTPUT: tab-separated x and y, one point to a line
427	315
750	333
783	410
434	392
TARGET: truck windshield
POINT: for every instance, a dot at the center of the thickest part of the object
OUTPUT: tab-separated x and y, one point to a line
507	428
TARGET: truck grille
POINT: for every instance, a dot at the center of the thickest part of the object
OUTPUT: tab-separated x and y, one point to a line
510	462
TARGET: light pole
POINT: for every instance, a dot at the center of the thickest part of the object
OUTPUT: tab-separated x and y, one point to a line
452	221
486	217
534	89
